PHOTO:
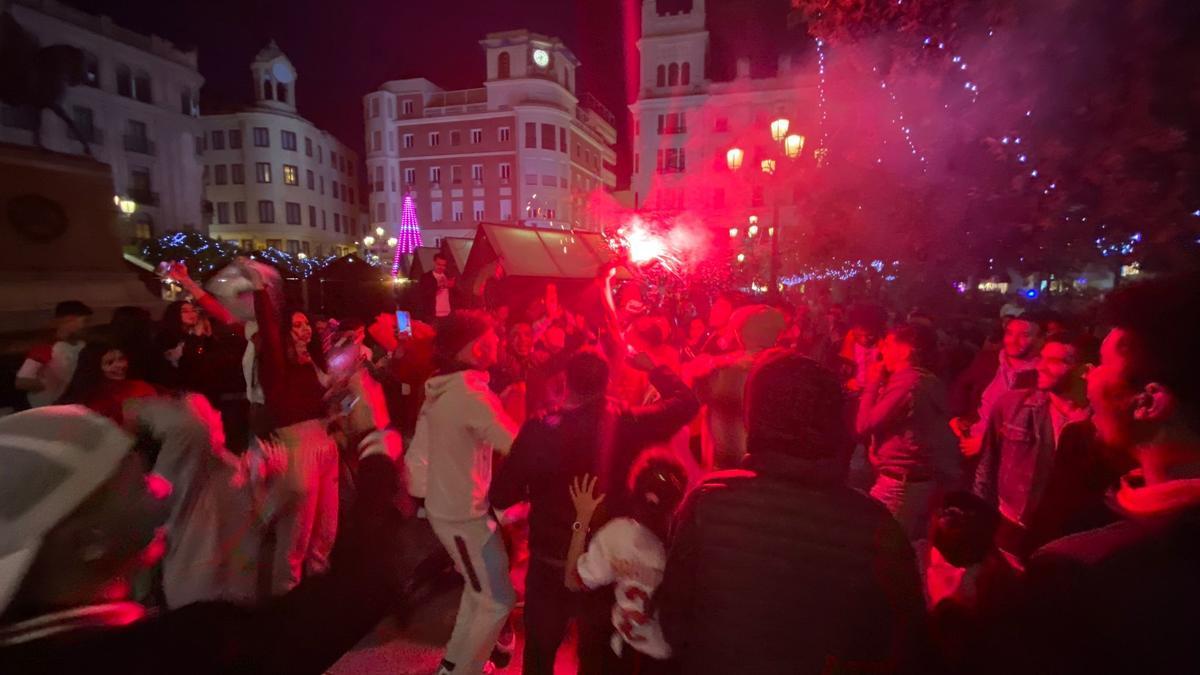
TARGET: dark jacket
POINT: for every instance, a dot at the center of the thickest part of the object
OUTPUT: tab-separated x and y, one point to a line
427	289
1121	599
909	425
305	631
780	568
551	450
1016	454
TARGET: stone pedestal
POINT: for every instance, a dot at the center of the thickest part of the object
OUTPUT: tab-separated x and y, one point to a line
60	239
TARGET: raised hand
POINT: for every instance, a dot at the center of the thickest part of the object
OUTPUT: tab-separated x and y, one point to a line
582	496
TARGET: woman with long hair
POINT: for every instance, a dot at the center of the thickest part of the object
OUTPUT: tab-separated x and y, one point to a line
630	552
102	383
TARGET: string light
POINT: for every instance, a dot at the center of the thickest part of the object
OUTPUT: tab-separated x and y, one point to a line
905	130
410	232
824	112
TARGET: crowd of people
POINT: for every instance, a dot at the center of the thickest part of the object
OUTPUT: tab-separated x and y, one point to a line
707	485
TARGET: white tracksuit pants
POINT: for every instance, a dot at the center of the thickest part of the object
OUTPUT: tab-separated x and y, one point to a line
488	595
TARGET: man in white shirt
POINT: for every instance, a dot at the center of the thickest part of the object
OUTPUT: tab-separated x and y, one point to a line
461	424
49	367
437	287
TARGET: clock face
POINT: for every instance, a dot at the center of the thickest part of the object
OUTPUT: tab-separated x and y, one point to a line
541	58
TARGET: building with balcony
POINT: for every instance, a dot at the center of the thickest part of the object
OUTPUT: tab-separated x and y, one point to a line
524	148
274	180
684	122
137	110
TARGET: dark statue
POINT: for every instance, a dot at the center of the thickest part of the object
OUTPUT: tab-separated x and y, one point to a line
36	77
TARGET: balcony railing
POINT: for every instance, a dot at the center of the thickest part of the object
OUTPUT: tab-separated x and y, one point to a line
143	196
140	144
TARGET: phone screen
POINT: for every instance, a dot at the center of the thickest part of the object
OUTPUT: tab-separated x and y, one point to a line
403	322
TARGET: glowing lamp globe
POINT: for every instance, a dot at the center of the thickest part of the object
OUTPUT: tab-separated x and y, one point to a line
302	256
768	166
752	231
733	232
379	231
741	257
734	157
779	128
793	145
368	240
128	206
392	241
753	220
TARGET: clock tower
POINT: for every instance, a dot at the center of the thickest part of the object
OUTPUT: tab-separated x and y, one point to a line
274	79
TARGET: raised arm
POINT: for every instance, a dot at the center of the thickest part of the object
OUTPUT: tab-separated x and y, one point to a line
880	405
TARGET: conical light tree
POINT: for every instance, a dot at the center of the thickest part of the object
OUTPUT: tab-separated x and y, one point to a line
410	232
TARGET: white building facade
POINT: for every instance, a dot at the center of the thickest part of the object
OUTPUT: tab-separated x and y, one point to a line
684	123
137	110
274	180
524	148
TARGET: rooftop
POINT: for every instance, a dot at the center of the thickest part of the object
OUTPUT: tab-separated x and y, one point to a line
103	25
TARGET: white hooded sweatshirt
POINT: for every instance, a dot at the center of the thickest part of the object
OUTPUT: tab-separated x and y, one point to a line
450	461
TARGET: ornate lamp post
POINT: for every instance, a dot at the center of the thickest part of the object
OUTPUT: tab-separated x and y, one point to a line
791	147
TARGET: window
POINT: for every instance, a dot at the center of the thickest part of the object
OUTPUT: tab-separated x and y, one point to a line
218	140
268	92
262	137
141	87
377	141
562	140
321	183
223	213
671	160
239	214
312	216
235	139
672	74
309	180
262	172
380	212
135	138
505	209
530	134
220	174
531	179
237	174
391	141
334	186
476	136
478	209
308	146
455	138
91	70
477	173
409	140
274	243
266	211
124	81
393	173
549	181
290	175
505	133
293	246
333	159
292	210
661	78
548	136
337	222
378	179
324	220
342	163
410	176
320	155
85	121
187	103
505	171
456	211
435	139
375	107
435	212
503	66
281	92
435	174
456	174
408	107
637	162
288	140
685	75
201	142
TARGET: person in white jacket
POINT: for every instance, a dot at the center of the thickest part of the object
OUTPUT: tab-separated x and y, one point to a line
461	424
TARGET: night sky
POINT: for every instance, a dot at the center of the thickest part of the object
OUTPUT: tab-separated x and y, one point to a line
346	48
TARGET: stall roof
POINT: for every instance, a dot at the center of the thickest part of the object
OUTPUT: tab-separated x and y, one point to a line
530	252
422	261
459	249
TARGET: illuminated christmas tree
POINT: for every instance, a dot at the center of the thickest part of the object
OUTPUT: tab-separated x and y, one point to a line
410	232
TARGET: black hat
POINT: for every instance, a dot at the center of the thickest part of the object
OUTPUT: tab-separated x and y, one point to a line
71	308
458	330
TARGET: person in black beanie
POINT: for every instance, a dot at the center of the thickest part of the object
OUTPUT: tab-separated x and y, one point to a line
819	577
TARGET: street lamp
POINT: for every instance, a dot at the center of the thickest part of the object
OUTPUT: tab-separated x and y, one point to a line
368	241
128	206
768	167
392	242
734	157
793	145
779	128
733	233
379	231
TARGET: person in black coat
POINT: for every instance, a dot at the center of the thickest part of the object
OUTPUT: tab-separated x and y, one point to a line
593	435
781	568
436	292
